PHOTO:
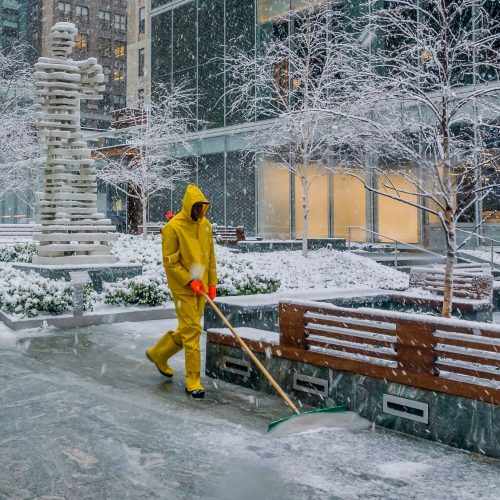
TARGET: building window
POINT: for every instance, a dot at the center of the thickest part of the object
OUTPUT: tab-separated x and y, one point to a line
81	41
107	71
120	72
120	49
64	9
119	101
140	97
104	46
141	62
82	14
120	22
104	20
142	20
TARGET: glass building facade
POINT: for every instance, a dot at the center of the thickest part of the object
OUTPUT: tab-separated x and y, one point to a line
188	43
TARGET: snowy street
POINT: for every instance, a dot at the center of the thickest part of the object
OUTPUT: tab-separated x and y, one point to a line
85	415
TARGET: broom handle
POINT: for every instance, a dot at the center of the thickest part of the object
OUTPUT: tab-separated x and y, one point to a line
254	358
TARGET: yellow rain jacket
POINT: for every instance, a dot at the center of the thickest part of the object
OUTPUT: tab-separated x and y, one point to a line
188	247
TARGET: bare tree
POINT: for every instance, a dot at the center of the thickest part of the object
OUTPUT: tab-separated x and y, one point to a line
434	73
297	87
19	166
154	158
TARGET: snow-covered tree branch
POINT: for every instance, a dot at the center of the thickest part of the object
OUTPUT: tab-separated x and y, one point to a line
155	152
19	153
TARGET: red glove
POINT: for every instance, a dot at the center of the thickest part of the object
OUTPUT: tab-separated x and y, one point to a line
212	292
197	287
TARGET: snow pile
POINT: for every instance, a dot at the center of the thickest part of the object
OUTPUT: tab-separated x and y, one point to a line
326	269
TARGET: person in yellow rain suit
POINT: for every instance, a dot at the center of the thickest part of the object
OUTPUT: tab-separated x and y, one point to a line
189	261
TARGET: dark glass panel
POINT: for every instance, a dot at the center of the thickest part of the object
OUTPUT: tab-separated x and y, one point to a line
184	37
211	30
187	79
161	45
180	187
240	34
240	191
211	95
211	182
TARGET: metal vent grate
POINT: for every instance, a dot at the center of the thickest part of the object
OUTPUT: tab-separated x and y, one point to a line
406	408
310	385
235	365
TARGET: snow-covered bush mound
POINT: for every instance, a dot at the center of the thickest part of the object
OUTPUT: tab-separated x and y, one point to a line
147	290
236	277
24	294
249	273
326	269
19	252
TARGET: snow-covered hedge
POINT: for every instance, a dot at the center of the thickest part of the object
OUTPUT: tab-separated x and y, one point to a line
20	252
30	294
147	290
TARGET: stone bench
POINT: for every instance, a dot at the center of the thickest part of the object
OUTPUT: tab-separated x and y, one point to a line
152	228
228	235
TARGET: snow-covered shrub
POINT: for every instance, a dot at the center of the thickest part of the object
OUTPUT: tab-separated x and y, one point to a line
240	278
20	252
148	290
236	276
29	294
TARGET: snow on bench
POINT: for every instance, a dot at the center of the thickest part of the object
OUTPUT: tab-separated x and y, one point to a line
258	340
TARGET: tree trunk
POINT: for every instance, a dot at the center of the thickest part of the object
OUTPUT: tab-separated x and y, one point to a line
305	214
144	220
451	255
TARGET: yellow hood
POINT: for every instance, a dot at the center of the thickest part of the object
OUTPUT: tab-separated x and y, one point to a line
193	195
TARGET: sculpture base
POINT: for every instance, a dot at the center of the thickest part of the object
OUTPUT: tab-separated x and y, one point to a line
98	273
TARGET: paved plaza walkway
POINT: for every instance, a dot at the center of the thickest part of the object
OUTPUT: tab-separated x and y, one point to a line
84	415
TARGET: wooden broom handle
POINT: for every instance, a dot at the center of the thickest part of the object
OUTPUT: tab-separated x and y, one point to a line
254	358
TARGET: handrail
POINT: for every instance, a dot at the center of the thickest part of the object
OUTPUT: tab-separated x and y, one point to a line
480	236
396	242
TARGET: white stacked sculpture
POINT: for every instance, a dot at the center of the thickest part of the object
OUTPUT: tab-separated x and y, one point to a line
70	229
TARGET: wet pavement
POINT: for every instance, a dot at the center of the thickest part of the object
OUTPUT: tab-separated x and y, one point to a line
83	414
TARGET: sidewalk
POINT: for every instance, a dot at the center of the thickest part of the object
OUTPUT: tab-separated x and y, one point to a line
84	415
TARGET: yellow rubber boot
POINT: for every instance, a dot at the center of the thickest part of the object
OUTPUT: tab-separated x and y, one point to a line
161	352
193	384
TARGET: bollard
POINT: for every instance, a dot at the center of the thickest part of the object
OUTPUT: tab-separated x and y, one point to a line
79	280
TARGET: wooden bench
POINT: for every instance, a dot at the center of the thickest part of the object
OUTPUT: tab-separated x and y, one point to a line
456	357
16	232
471	281
153	228
439	354
228	235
